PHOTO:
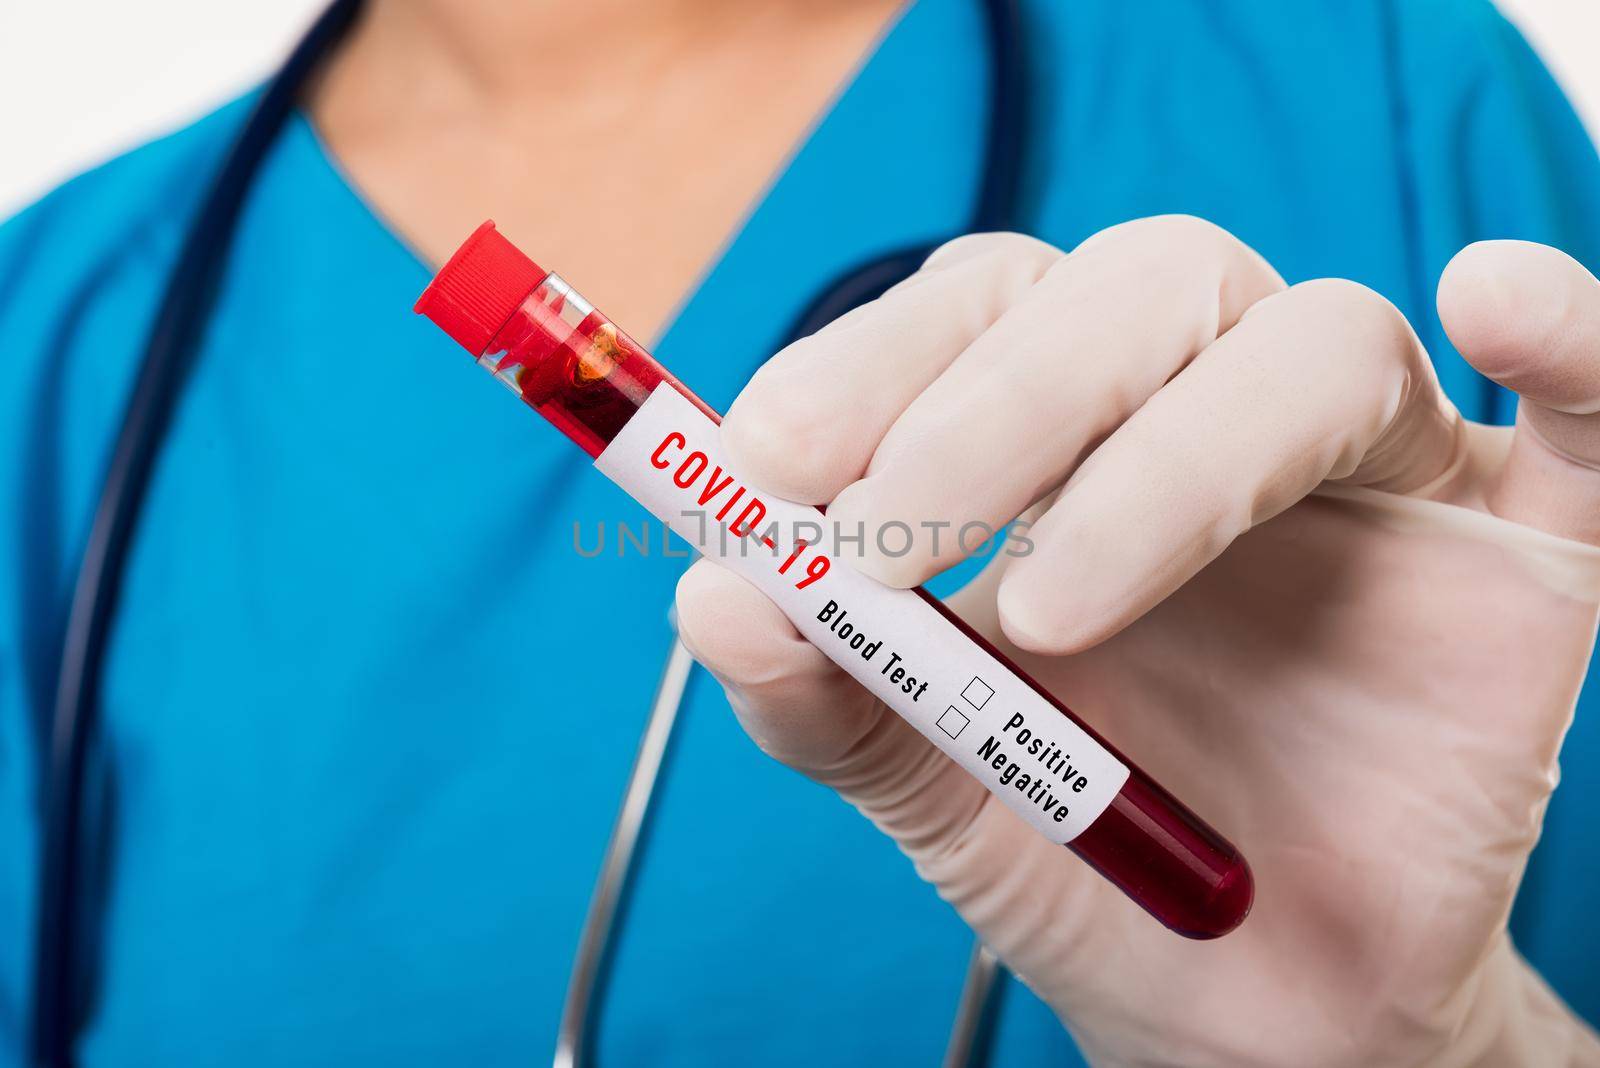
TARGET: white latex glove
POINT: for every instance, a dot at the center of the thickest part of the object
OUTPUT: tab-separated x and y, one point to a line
1284	576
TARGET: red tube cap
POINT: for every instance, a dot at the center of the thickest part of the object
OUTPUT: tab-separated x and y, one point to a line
478	291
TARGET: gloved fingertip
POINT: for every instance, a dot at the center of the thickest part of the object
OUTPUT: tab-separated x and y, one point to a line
1030	252
866	533
1037	619
735	631
1521	314
784	439
797	705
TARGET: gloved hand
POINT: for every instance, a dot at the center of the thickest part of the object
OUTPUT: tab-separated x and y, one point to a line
1270	563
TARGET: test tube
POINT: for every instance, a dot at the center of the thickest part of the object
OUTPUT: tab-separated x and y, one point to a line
572	365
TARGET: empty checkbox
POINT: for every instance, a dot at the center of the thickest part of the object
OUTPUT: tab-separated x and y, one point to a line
977	693
952	722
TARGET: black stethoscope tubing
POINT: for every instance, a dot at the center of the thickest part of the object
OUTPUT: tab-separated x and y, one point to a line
59	994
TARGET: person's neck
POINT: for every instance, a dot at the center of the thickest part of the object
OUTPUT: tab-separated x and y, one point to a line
586	128
498	59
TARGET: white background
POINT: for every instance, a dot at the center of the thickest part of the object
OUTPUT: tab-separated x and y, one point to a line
81	80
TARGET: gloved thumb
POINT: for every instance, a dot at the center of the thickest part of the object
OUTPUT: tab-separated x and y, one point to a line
1030	901
1528	317
803	709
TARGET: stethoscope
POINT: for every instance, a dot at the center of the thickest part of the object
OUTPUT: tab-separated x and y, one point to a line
169	356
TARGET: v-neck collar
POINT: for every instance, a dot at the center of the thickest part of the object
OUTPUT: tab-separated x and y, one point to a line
892	161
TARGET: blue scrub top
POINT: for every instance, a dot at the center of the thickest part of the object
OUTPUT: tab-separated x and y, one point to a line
368	713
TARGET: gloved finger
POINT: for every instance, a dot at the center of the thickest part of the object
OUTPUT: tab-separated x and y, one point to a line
803	710
1030	900
1324	381
1015	412
1528	316
807	422
796	704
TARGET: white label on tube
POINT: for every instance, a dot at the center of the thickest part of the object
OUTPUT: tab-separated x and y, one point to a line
669	458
